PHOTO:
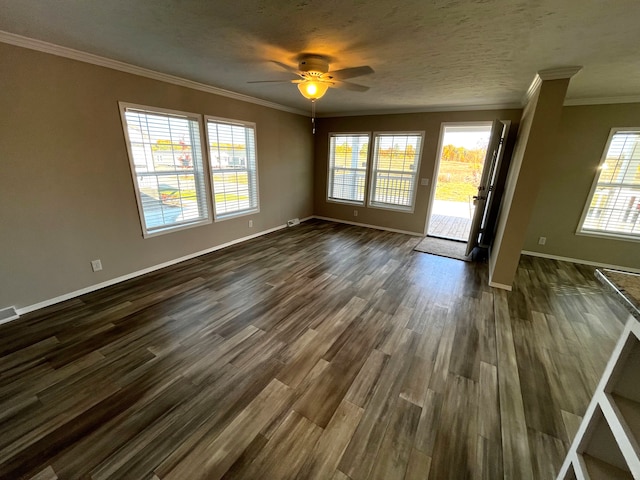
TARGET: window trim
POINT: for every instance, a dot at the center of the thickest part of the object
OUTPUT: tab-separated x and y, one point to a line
594	185
245	124
370	185
123	106
366	171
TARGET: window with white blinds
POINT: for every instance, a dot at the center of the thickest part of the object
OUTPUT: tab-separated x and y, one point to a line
232	148
348	154
396	162
165	153
613	207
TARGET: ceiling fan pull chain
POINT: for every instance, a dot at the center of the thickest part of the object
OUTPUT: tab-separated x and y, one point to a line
313	117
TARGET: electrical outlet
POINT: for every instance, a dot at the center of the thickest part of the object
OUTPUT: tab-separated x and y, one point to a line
96	265
250	223
355	213
542	240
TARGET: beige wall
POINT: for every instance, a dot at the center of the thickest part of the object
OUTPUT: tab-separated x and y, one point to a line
430	123
529	165
66	193
575	156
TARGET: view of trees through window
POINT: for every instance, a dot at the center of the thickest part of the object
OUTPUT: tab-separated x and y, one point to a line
460	171
395	168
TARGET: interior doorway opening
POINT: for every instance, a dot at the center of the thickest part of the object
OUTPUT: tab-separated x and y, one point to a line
461	158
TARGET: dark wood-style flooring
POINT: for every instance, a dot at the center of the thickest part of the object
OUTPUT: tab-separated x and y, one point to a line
324	351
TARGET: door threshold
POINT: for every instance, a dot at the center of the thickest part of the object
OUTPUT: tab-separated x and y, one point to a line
447	238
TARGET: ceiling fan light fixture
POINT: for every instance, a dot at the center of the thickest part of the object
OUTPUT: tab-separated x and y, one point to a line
313	89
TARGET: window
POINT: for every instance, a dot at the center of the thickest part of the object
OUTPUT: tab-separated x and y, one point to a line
396	161
348	154
165	153
232	148
613	208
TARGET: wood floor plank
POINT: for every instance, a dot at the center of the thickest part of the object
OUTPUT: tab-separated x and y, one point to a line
358	459
324	459
571	423
548	454
419	466
489	403
309	381
216	407
46	474
364	384
284	454
328	333
455	449
320	401
535	382
249	454
443	357
212	460
429	422
393	456
338	475
515	442
138	426
489	459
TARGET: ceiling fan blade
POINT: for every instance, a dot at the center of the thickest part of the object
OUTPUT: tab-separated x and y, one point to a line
288	68
271	81
350	72
354	87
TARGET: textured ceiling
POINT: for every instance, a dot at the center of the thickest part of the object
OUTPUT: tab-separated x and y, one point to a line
426	54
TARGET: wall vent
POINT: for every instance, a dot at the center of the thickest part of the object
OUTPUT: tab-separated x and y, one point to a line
8	314
293	222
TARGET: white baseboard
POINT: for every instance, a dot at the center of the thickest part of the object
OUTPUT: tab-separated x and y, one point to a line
113	281
579	260
502	286
366	225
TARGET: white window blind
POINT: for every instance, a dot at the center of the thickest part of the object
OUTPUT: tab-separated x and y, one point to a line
232	147
348	156
396	161
613	208
165	153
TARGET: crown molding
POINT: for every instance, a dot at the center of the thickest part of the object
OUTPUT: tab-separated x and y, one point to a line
535	84
426	109
571	102
53	49
558	73
548	74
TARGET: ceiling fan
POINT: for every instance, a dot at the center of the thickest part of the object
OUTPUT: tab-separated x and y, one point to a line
315	77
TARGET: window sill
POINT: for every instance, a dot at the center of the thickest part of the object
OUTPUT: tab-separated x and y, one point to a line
346	202
609	236
394	208
230	216
176	228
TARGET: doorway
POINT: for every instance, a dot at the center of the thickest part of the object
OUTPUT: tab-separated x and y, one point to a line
458	173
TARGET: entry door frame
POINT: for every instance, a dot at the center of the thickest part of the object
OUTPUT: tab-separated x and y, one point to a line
436	168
